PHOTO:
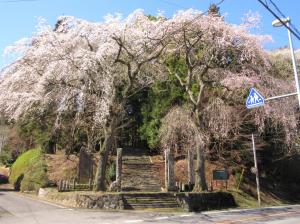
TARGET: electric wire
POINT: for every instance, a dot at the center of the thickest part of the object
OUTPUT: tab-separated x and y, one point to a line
190	22
283	15
280	19
201	14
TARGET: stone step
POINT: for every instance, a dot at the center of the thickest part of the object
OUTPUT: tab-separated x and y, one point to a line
138	178
142	177
141	183
136	164
141	189
141	168
142	180
138	173
154	204
150	200
135	172
138	206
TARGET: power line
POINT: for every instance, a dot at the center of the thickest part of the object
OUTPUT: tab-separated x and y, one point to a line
281	13
193	20
277	8
197	17
277	17
203	13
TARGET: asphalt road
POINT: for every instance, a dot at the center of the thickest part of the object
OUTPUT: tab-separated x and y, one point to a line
17	209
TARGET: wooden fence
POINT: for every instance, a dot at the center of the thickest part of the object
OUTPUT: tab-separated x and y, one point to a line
73	185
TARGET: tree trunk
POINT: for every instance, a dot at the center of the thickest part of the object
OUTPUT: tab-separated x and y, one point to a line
101	171
200	183
191	169
200	171
104	153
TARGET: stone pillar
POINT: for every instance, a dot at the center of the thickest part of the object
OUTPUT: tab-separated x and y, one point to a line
116	185
167	151
60	185
191	169
64	185
74	184
119	166
90	184
169	171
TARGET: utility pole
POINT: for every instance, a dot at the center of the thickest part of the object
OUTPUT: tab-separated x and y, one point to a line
256	171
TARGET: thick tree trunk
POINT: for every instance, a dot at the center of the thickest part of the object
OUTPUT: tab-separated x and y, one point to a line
101	171
200	183
191	169
104	153
200	171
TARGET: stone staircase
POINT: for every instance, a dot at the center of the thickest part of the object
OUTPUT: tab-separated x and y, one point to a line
138	173
151	201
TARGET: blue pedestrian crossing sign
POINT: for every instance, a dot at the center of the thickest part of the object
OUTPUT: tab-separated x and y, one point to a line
255	99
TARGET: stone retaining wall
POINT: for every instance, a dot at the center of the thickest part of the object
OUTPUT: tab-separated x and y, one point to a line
194	202
107	201
115	201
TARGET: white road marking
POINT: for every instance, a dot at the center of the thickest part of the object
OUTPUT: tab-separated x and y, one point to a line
185	215
134	221
161	218
248	209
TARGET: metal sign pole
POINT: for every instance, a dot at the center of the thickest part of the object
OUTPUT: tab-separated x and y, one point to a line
281	96
256	170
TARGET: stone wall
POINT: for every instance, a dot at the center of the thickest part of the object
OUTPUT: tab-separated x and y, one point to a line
88	200
191	202
194	202
118	201
106	201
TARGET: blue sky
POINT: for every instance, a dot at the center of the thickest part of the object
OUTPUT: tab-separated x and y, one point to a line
19	19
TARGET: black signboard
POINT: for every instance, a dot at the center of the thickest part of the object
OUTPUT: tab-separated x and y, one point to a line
220	175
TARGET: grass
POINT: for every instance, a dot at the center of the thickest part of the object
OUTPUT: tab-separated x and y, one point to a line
245	200
29	171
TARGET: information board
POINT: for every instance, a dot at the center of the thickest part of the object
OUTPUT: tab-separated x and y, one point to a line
220	175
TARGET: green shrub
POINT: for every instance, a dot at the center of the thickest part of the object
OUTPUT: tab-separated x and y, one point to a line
29	171
111	173
161	97
7	156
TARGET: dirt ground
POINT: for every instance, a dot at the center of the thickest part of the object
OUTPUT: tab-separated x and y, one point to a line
4	171
245	195
60	166
181	172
